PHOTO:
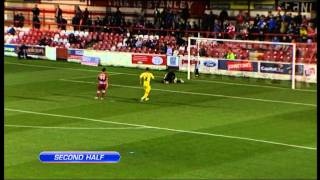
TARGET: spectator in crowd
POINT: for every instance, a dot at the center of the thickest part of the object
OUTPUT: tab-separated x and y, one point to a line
76	20
223	17
211	19
85	15
149	25
261	23
185	14
188	26
283	27
311	31
240	18
176	20
141	15
36	22
256	20
58	15
63	24
11	30
217	27
292	29
244	32
298	19
16	20
20	20
138	44
163	16
269	16
78	11
195	26
98	24
118	17
36	10
289	18
303	33
205	22
84	20
76	23
157	17
72	39
43	41
304	20
231	31
230	55
272	25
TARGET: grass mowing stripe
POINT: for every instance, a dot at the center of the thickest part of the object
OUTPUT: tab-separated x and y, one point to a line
202	94
69	128
55	67
199	80
166	129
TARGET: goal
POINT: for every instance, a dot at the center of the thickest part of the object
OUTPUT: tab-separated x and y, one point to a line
244	58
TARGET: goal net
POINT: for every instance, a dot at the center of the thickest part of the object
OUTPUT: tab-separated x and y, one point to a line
254	59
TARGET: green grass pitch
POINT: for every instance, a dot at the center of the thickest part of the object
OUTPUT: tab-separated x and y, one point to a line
214	127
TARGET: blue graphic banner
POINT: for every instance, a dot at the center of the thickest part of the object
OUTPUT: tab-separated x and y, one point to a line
76	52
279	68
9	48
79	157
90	61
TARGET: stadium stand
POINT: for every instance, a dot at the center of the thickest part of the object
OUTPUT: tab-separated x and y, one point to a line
152	44
115	33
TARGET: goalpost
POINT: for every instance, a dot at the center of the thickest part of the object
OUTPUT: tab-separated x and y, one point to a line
259	53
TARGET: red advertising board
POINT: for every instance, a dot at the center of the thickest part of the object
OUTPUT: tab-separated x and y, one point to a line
239	66
192	62
149	59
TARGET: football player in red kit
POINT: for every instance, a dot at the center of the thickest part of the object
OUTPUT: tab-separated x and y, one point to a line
102	84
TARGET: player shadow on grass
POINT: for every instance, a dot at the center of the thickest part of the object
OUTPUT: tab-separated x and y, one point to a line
155	101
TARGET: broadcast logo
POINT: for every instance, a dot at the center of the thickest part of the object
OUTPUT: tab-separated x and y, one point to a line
79	157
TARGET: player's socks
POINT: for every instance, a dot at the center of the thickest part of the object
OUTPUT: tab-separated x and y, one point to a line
146	99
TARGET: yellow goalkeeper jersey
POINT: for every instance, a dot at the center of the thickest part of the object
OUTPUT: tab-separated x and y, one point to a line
146	77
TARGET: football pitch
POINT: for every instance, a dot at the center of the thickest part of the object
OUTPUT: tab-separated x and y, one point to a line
213	127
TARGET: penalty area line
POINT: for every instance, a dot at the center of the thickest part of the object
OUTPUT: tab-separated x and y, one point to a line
165	129
201	94
71	128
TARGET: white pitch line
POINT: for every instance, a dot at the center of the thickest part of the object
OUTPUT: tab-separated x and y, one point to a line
253	85
201	94
69	128
197	80
166	129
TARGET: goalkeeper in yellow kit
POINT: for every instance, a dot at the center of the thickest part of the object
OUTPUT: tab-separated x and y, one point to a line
146	78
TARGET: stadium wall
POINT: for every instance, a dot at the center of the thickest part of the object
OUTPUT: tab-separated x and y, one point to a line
253	68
